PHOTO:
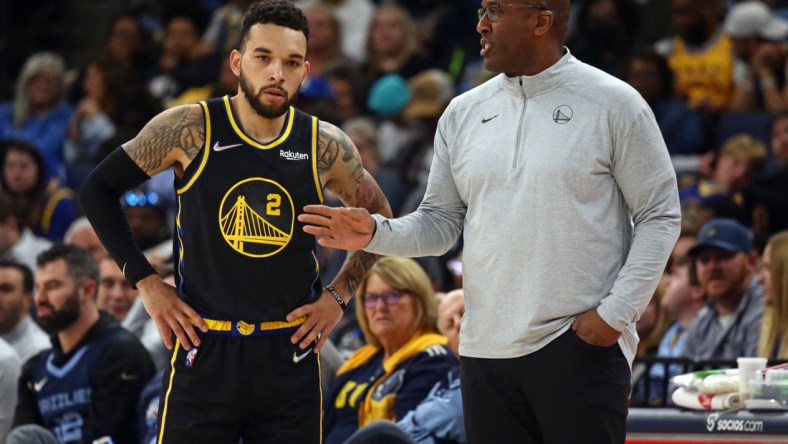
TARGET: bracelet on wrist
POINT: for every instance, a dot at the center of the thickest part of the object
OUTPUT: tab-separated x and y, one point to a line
337	296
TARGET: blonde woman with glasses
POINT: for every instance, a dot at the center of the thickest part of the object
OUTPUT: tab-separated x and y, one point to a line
405	354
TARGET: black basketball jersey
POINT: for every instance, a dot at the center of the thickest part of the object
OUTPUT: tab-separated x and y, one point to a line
242	255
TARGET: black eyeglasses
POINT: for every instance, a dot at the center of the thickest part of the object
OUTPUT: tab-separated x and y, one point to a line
493	10
390	297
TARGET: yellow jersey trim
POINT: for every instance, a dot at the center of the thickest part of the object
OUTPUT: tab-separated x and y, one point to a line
249	140
180	240
206	150
314	160
169	390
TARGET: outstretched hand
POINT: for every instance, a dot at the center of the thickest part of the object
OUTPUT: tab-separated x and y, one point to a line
170	313
344	228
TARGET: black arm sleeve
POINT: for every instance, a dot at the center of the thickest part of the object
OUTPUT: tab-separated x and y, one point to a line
100	199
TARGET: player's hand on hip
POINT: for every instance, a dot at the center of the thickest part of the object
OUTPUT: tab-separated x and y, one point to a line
590	327
321	317
343	227
170	313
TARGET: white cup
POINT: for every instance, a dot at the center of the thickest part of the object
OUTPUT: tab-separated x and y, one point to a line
747	371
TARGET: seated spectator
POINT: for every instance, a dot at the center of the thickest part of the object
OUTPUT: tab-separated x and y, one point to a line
348	91
728	326
17	242
765	198
223	33
354	16
683	299
404	357
439	418
653	323
182	63
87	386
714	207
148	409
604	33
10	365
700	55
147	219
759	73
47	206
387	100
140	324
364	134
113	106
115	294
431	91
81	234
324	43
773	276
685	241
17	327
38	113
226	83
740	161
392	46
684	130
126	47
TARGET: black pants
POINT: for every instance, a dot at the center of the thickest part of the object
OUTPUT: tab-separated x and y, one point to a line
246	388
568	392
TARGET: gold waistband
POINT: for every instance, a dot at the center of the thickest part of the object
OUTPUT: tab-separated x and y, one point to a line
246	328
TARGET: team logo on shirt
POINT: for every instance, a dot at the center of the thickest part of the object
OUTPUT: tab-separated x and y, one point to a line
244	328
562	114
390	386
256	217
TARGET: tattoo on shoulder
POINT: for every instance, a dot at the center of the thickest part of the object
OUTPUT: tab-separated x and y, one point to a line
334	144
179	128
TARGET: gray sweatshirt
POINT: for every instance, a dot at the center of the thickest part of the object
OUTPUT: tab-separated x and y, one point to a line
563	189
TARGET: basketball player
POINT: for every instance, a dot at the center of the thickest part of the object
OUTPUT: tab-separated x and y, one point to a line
247	276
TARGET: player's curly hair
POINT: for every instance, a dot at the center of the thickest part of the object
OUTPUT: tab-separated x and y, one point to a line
276	12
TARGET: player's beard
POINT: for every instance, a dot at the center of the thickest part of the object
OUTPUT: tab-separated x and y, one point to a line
62	318
267	111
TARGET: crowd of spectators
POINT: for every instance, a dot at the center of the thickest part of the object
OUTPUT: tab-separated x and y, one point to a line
713	72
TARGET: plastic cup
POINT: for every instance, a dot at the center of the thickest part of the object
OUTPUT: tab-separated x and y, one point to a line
747	370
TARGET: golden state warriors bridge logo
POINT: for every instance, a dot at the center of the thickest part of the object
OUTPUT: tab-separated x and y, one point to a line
256	217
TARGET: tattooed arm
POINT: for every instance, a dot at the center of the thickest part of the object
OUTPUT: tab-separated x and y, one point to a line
340	169
171	139
339	165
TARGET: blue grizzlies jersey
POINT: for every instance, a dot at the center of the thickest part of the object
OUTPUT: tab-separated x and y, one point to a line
63	393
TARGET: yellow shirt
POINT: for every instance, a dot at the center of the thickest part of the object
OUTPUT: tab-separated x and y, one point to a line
705	77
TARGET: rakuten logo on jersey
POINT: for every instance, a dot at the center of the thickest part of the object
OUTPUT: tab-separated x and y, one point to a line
289	155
